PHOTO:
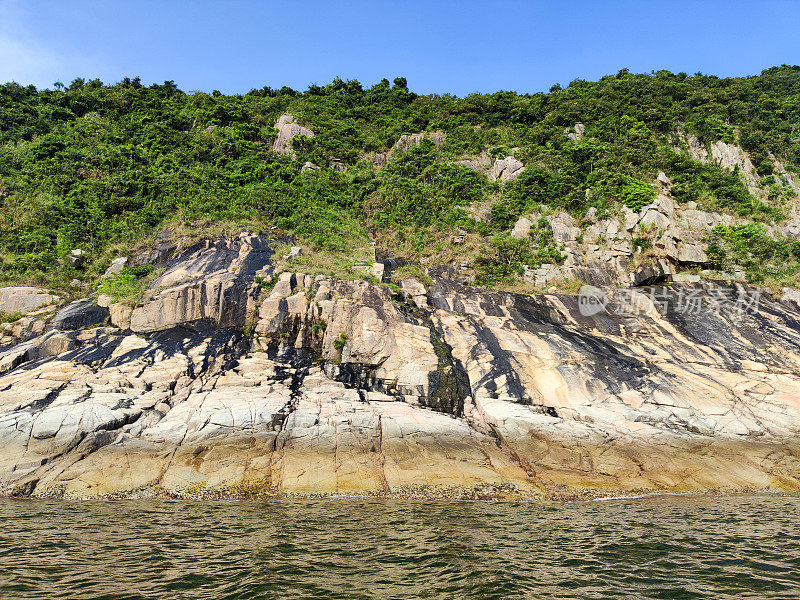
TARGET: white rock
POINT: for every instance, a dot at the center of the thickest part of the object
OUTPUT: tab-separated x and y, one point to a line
522	228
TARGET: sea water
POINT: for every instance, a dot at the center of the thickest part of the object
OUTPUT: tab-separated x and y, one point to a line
650	547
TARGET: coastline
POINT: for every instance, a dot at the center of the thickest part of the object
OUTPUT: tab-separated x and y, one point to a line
421	494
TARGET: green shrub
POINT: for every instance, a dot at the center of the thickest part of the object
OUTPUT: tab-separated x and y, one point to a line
10	317
340	342
505	258
126	286
90	165
751	247
411	271
636	194
266	283
643	240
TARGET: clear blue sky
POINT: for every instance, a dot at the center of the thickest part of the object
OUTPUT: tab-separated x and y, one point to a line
439	46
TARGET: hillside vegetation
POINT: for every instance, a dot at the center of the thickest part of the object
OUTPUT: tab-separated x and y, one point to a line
96	166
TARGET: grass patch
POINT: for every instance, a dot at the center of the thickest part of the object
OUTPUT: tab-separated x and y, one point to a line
411	271
10	317
127	286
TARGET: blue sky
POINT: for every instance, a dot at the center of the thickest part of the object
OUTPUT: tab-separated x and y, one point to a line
439	46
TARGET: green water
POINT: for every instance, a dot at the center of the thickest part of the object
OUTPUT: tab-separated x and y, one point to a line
658	547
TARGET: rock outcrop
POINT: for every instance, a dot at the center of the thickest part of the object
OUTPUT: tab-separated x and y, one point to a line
212	281
231	380
23	299
78	315
288	128
407	141
506	169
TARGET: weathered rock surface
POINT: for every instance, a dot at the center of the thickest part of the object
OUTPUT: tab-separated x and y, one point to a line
79	314
506	169
288	128
406	141
24	299
210	281
322	386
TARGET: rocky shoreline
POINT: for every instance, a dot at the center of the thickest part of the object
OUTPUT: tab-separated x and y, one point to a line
233	380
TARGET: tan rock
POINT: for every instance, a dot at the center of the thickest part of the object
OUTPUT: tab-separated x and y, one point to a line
25	299
288	128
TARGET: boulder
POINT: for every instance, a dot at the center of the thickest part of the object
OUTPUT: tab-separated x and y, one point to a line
117	265
79	315
288	128
630	218
649	274
522	228
506	169
415	291
77	258
294	252
655	219
25	299
564	230
659	214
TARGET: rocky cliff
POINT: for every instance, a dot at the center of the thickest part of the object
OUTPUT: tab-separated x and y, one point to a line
231	378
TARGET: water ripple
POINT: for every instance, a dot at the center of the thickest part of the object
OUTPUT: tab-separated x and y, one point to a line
652	547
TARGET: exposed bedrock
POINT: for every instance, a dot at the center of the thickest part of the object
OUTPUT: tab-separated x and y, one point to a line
229	382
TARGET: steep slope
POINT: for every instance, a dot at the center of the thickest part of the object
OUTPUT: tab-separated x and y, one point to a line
587	292
324	386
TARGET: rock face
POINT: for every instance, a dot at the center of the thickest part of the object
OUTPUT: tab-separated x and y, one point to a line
79	314
506	169
405	142
214	281
25	299
728	156
322	386
288	128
